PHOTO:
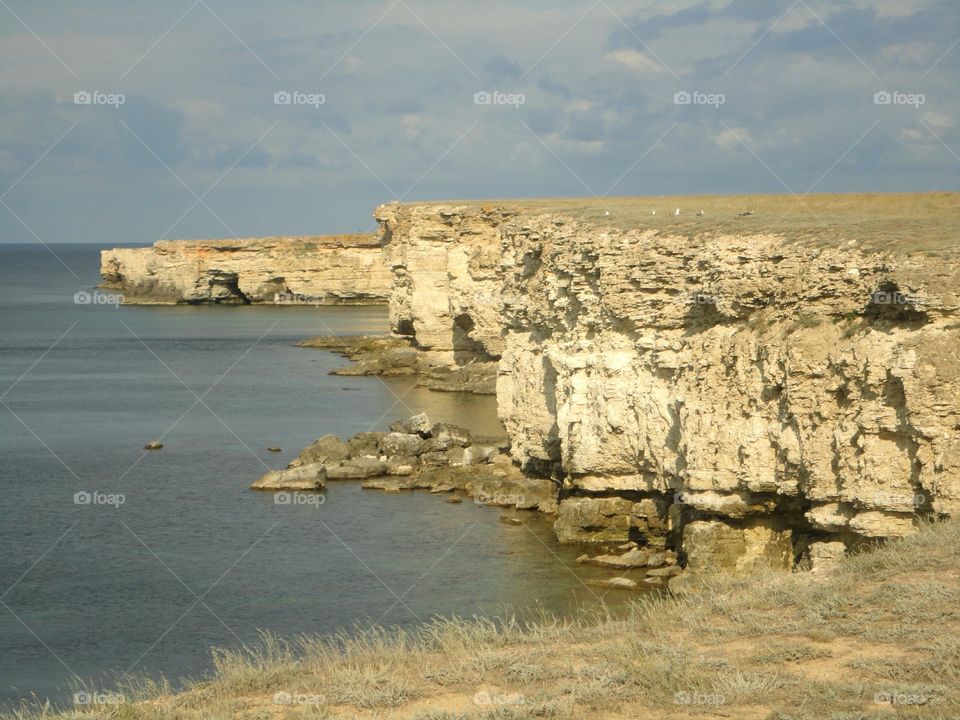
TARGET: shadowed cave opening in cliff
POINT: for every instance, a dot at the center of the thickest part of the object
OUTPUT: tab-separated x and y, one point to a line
466	349
890	305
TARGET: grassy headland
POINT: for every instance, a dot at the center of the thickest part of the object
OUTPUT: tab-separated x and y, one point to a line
878	637
900	223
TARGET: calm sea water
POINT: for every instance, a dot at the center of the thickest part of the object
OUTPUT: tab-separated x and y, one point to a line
191	558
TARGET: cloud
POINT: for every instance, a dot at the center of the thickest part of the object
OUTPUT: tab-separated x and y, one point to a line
399	95
637	61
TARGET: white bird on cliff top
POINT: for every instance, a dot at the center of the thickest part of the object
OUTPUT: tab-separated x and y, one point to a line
676	212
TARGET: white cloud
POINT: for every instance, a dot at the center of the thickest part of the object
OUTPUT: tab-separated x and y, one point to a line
637	61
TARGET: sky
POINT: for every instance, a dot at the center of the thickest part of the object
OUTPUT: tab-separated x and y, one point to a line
131	121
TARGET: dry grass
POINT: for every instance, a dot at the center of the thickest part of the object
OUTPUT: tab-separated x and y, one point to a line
877	638
900	223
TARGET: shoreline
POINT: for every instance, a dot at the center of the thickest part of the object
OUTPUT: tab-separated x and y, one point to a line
744	647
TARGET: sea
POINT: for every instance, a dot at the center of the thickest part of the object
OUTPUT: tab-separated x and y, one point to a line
117	560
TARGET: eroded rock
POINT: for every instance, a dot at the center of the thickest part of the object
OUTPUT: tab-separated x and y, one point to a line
302	477
593	520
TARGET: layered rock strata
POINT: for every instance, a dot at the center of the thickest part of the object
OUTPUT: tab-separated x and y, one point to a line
745	400
757	400
445	291
322	270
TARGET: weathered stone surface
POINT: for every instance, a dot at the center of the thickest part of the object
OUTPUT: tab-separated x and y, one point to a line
365	444
325	270
477	454
636	558
744	373
449	435
825	555
328	448
396	443
614	583
434	458
302	477
401	465
712	545
446	279
356	468
593	520
418	425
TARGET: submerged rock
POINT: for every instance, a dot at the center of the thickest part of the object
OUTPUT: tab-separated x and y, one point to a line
614	583
636	558
665	572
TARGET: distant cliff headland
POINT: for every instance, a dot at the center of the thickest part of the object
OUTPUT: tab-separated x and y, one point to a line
742	381
324	270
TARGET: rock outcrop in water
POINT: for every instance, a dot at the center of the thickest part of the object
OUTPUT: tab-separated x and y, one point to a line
323	270
416	455
744	399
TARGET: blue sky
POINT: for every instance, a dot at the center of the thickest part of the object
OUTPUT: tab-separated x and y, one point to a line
587	98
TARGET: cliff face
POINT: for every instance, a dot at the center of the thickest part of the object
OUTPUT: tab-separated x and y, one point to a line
445	262
347	269
742	398
798	395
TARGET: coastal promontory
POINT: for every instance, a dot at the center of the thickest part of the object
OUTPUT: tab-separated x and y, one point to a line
314	270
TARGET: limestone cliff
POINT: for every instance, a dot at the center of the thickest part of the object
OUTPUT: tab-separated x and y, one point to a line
742	397
326	270
445	262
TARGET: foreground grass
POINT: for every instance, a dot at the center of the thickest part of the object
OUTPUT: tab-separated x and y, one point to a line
899	223
877	638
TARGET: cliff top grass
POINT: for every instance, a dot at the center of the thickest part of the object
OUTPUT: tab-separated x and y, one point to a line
877	637
899	223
